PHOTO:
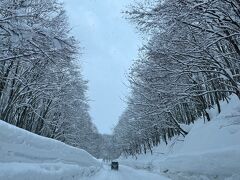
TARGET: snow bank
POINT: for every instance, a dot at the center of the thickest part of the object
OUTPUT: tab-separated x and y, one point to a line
24	155
44	171
211	150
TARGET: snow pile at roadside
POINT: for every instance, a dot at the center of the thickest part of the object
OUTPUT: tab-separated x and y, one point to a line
211	150
24	155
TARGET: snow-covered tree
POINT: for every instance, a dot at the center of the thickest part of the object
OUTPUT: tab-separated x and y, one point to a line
189	63
41	87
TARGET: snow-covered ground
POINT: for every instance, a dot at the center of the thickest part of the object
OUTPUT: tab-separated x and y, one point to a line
126	173
211	150
26	156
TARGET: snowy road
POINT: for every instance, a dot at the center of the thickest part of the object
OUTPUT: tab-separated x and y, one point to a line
24	156
125	173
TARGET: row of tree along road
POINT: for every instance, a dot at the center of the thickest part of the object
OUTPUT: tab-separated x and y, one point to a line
189	62
41	87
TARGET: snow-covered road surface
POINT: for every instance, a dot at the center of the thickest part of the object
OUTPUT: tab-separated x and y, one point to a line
125	173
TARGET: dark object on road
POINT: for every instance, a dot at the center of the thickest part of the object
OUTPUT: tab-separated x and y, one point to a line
114	166
165	171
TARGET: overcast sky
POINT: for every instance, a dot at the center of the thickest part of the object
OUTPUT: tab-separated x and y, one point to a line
110	44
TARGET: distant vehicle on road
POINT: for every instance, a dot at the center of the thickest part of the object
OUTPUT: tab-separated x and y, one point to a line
114	165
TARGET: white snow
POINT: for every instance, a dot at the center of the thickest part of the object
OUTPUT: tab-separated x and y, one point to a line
27	156
44	171
211	150
126	173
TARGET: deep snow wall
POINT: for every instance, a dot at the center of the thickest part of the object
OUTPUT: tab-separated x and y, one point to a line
24	155
210	150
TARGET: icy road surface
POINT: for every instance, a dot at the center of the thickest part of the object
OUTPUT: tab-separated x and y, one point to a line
125	173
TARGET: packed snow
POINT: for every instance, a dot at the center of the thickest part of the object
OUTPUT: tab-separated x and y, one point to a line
126	173
211	150
24	155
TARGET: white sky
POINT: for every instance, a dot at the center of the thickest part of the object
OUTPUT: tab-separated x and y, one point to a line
110	44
